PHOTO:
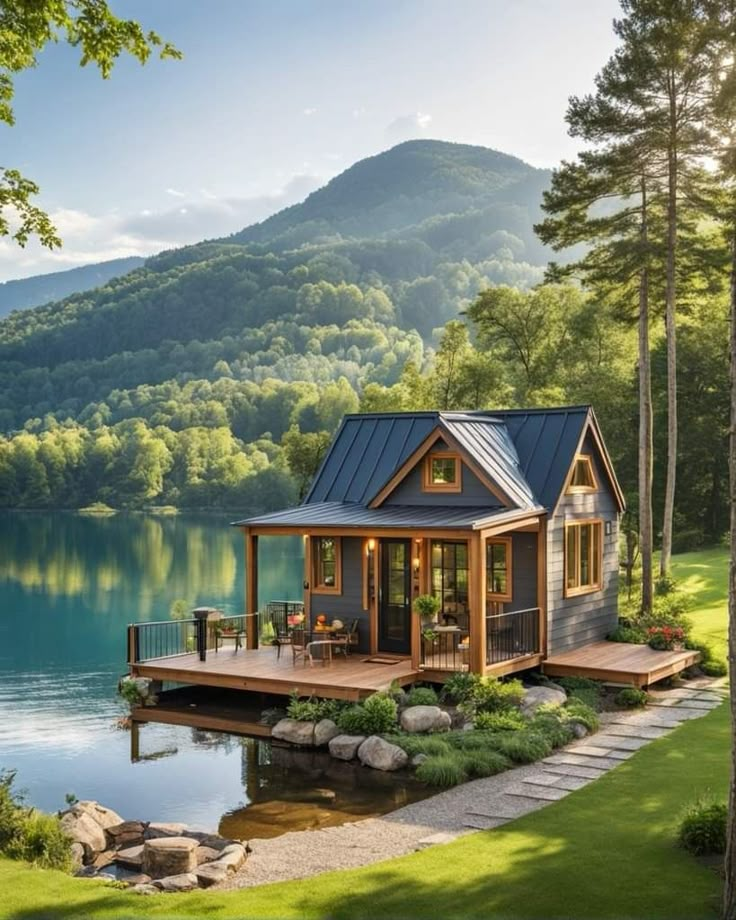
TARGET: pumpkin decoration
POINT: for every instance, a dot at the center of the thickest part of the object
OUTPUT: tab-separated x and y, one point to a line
321	619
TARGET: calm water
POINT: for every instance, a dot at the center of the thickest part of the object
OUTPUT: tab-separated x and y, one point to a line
69	584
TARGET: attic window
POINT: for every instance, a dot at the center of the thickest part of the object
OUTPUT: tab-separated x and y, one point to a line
442	473
327	565
583	477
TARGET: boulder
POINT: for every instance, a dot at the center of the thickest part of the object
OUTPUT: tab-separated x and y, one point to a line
183	882
127	834
77	851
85	831
535	697
155	830
211	874
345	747
425	719
167	856
105	817
146	888
324	731
206	854
131	857
139	879
418	759
294	732
231	858
381	755
579	729
215	842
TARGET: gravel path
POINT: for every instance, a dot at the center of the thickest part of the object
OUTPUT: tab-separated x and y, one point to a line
479	805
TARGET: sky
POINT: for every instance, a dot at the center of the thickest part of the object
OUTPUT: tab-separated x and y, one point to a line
272	99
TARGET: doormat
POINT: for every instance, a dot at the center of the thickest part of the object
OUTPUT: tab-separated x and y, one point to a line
379	660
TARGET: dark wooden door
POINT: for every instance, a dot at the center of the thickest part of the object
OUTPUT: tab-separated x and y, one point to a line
394	610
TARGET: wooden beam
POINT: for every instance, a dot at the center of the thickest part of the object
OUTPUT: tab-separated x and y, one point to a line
444	533
251	587
542	585
482	637
477	606
307	598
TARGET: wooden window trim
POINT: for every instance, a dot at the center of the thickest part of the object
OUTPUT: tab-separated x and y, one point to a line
327	589
585	589
508	595
428	485
582	490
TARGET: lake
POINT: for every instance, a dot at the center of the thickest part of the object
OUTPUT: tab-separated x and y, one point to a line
69	585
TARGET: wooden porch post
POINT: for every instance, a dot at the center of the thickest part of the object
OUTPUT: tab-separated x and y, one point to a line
307	578
542	584
477	662
251	588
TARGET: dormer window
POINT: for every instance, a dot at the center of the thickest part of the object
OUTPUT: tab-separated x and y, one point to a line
442	472
583	477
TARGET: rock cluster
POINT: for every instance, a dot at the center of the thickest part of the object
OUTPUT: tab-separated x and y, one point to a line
154	857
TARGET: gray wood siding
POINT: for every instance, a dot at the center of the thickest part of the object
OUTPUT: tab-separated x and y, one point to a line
576	621
348	605
523	572
474	493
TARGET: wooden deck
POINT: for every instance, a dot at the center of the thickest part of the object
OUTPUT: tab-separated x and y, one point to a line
619	663
259	670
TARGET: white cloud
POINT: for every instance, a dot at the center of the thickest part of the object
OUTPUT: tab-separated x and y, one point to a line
406	127
309	112
90	238
175	193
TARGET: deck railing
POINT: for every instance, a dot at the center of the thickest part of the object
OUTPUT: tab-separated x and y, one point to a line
512	635
161	639
444	650
275	617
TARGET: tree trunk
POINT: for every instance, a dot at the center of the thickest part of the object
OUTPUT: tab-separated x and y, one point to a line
671	335
729	890
645	421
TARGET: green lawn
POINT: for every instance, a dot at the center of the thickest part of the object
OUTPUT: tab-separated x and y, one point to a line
607	851
704	575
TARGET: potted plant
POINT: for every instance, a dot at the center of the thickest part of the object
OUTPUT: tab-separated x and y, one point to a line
427	606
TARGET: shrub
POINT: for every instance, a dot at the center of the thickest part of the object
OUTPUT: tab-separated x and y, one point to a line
375	716
510	720
313	709
631	697
493	695
577	711
553	723
473	741
442	770
421	696
584	689
702	828
665	637
477	764
458	688
630	634
42	841
12	810
420	744
665	585
714	668
524	746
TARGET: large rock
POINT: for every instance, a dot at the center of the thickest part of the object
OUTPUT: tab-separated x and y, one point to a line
294	732
206	854
158	829
324	731
77	851
535	697
211	874
345	747
425	719
105	817
85	831
381	755
126	834
183	882
231	858
131	857
165	856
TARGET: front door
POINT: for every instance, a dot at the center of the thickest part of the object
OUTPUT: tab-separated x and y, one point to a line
394	609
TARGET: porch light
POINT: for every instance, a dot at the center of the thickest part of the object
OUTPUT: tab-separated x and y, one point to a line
416	563
371	545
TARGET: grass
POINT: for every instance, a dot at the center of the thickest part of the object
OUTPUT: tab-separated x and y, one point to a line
704	576
608	851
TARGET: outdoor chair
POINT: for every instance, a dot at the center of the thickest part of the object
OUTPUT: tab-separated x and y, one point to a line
299	646
347	638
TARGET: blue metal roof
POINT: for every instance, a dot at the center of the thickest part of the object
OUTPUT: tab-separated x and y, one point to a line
355	514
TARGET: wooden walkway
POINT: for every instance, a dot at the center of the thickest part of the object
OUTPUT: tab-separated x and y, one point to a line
619	663
259	670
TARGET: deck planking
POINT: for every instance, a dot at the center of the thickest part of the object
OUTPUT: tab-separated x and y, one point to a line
259	670
619	663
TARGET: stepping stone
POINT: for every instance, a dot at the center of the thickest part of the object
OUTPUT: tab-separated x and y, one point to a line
543	779
621	755
678	713
580	760
567	769
435	839
485	824
590	750
549	795
571	783
698	704
623	730
625	743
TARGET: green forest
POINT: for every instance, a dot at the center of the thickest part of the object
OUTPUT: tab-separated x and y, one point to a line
214	375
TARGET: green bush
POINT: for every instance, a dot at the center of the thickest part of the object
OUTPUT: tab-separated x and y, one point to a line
458	688
478	764
421	696
631	697
442	770
313	709
12	810
375	716
630	634
473	741
552	722
577	711
702	828
512	720
714	668
420	744
584	689
489	694
42	841
590	698
525	746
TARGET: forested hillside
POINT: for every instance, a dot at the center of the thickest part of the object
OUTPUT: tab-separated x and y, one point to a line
41	289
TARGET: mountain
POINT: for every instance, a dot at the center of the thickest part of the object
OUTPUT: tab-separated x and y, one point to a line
41	289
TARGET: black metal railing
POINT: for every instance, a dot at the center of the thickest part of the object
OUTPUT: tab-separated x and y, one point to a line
273	619
161	639
512	635
444	650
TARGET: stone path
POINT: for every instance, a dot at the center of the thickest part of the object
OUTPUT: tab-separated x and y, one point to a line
479	805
